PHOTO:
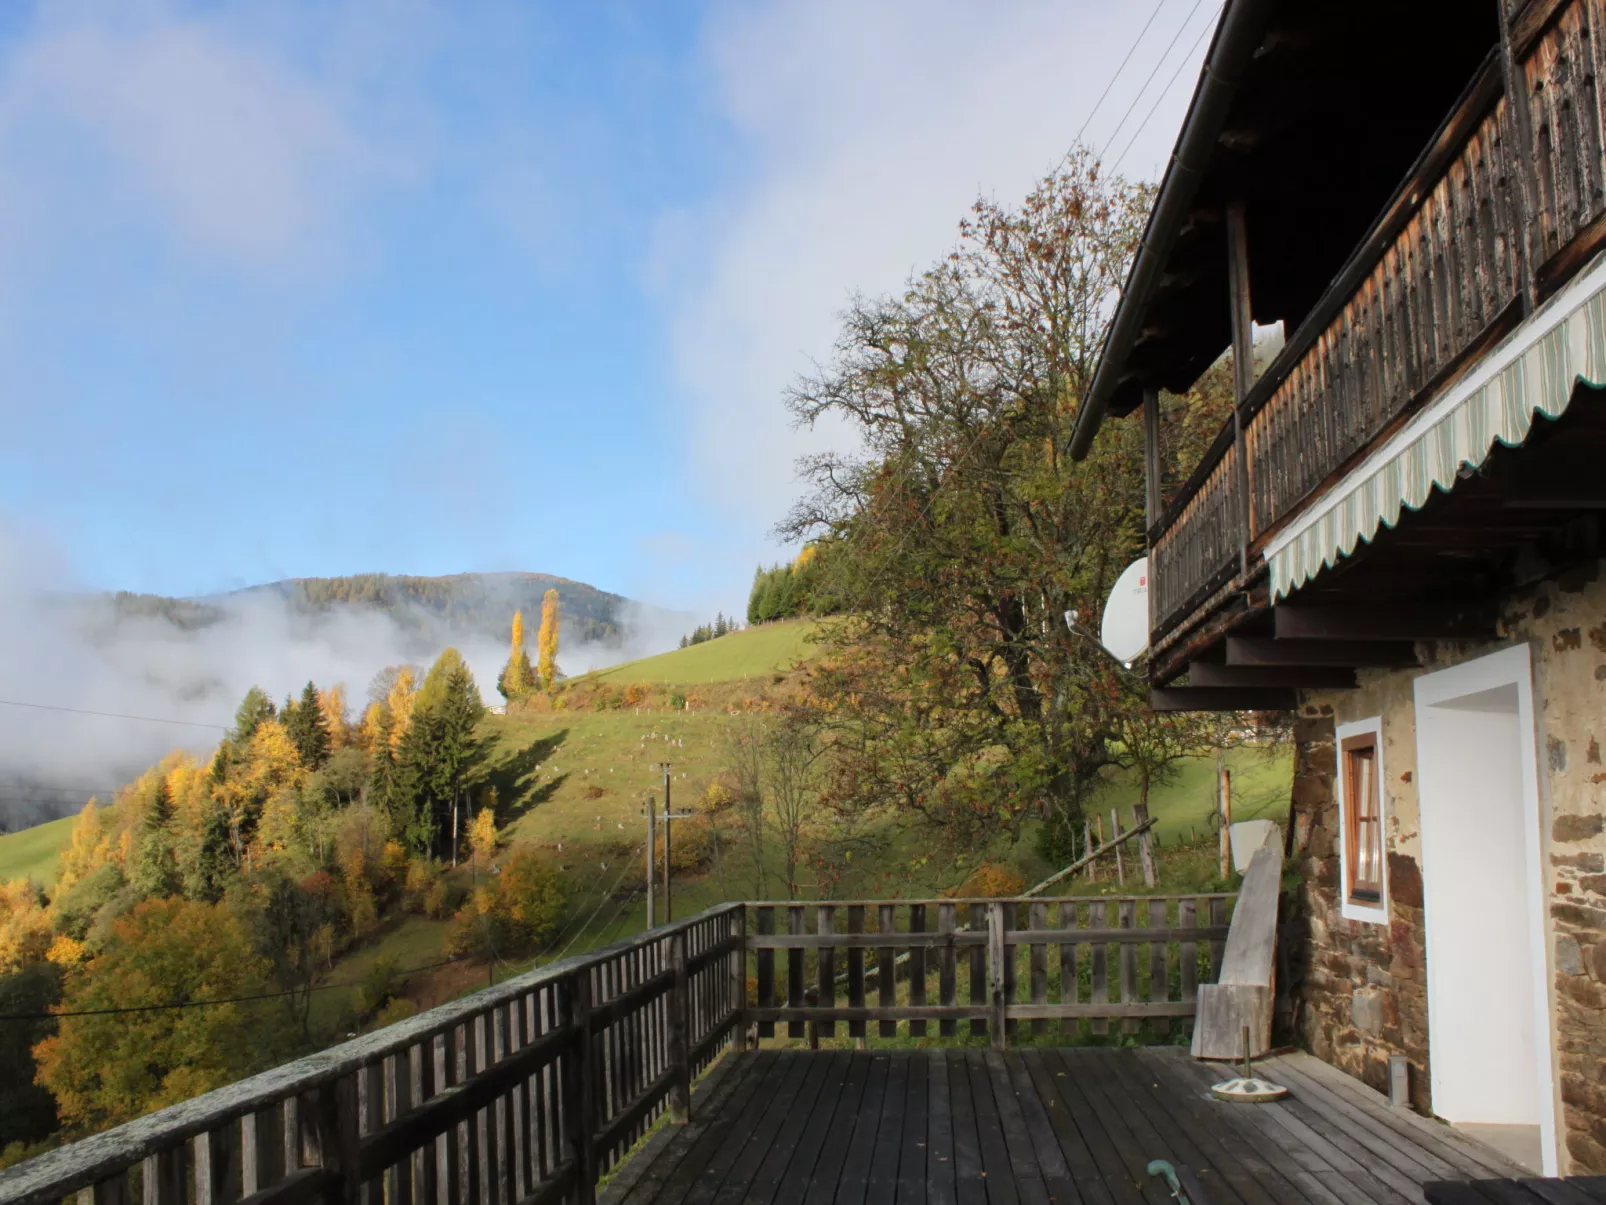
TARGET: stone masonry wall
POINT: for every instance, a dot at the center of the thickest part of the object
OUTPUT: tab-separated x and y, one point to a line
1365	990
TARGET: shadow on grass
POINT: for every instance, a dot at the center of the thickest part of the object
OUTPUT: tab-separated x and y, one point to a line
514	774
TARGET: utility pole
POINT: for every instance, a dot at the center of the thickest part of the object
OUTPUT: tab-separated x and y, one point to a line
652	851
669	816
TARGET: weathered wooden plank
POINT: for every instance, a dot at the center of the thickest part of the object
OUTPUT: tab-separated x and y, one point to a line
1025	1168
917	966
1159	968
852	1181
990	1135
1099	956
970	1184
1038	918
825	1158
1082	1171
947	976
913	1171
881	1179
1098	1132
794	968
940	1185
978	967
856	967
750	1144
1070	983
810	1098
886	967
825	925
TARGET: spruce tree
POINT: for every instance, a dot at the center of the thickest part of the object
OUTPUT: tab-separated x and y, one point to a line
155	872
254	709
308	730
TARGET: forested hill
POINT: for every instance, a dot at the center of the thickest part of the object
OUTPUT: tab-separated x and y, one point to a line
456	605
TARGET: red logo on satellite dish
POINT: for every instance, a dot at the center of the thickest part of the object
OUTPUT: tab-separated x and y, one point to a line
1143	581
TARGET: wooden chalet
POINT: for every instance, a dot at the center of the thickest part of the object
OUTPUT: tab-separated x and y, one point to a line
1398	532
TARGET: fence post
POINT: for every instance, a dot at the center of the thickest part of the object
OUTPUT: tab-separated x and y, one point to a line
335	1131
995	971
1140	813
739	978
579	1076
680	1086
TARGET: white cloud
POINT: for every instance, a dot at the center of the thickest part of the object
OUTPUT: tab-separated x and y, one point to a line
219	139
869	129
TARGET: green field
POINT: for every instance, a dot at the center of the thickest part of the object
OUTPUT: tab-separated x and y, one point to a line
750	653
34	852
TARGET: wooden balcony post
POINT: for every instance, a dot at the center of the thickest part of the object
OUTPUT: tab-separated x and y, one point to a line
1243	364
1151	461
995	968
738	921
680	1087
579	1078
335	1131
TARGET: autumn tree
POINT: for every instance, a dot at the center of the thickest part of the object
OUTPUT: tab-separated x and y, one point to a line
961	535
24	925
283	920
513	913
105	1069
482	837
745	743
793	749
27	1110
399	701
332	705
518	677
546	641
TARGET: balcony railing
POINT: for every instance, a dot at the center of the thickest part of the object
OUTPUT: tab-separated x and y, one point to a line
1438	280
530	1091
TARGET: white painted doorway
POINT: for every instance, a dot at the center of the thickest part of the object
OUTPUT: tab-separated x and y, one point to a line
1489	1045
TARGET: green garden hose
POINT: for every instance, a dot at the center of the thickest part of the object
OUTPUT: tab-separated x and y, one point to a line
1159	1167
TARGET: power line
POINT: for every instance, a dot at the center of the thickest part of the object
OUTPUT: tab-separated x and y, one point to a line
628	866
115	715
1165	54
151	1008
1131	50
1166	91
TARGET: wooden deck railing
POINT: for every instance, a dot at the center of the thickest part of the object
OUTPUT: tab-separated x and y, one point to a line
990	963
526	1092
1505	203
530	1091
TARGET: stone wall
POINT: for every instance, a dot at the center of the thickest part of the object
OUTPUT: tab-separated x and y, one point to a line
1364	993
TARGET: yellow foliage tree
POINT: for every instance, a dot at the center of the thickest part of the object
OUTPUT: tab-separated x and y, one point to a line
373	722
403	694
517	675
24	927
332	703
88	848
482	836
546	642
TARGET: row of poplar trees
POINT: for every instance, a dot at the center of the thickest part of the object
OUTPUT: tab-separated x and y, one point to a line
519	678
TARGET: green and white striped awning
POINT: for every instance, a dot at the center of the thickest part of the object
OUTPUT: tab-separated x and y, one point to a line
1534	370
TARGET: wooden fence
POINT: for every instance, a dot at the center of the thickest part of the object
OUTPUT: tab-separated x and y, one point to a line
530	1091
1136	961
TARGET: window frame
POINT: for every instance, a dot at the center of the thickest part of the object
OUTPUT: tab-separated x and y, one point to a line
1348	738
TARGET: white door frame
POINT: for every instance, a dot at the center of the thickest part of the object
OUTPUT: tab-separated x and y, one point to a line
1509	667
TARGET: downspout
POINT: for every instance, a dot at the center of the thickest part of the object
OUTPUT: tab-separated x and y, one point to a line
1235	43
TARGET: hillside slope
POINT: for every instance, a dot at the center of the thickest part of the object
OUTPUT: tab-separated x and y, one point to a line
748	654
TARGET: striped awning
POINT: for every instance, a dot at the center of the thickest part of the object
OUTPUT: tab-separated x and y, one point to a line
1534	370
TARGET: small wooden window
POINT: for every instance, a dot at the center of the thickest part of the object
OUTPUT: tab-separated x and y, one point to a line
1363	820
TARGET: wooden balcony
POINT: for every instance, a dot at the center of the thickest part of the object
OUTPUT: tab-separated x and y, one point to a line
1500	210
542	1088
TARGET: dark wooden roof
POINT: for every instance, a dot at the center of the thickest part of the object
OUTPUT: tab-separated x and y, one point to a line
1336	103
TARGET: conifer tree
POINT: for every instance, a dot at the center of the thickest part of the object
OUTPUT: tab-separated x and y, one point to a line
518	676
254	709
155	871
308	731
547	640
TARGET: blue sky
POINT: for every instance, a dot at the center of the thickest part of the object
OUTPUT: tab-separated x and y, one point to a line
294	289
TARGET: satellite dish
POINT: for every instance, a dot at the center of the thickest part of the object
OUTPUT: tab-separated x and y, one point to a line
1125	630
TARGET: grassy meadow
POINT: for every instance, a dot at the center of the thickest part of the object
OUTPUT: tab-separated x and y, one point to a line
573	780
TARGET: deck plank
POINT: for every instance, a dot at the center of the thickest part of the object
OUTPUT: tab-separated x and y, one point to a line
995	1162
813	1171
1346	1177
1088	1116
1044	1126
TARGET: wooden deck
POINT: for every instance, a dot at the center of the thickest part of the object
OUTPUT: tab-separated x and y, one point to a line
787	1127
